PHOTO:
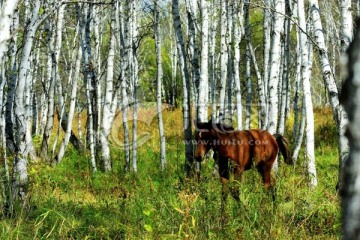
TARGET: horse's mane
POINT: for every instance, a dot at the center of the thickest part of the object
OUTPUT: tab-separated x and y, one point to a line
220	127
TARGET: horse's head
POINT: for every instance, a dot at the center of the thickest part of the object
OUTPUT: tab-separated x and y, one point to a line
205	136
202	139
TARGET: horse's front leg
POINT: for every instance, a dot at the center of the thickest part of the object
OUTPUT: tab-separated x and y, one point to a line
216	163
235	186
224	176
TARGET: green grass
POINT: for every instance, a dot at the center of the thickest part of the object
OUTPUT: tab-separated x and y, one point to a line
68	202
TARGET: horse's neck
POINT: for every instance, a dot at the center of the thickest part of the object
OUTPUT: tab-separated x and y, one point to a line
220	136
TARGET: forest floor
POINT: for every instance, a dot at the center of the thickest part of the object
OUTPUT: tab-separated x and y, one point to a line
69	202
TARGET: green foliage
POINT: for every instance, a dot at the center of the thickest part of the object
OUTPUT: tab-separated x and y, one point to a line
148	72
68	202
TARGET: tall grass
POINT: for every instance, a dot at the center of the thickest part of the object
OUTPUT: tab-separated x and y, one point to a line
68	202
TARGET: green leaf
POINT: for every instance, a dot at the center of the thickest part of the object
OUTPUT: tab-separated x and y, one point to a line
148	227
147	212
193	221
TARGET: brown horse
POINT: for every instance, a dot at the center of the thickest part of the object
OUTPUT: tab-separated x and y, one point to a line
244	148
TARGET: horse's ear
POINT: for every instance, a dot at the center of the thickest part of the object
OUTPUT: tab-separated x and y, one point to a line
198	125
204	134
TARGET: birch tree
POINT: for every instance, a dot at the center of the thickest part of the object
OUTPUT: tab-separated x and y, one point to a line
72	106
193	50
346	23
6	13
305	79
22	120
5	172
296	85
89	76
238	19
286	62
158	43
124	52
110	95
9	114
328	77
230	73
248	64
212	43
203	89
96	27
223	57
134	76
55	40
266	63
186	89
275	52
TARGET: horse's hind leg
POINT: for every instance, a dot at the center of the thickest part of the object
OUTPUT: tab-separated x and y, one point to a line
224	176
265	172
234	188
216	163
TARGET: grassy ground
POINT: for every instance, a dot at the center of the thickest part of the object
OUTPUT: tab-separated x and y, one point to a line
68	202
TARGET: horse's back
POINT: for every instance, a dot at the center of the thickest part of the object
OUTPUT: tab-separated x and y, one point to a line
265	147
262	135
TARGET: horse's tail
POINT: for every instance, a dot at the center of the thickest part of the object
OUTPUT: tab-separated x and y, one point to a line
284	148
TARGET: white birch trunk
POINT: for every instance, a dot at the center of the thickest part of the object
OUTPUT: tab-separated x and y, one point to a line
284	88
72	106
9	114
96	24
212	43
186	89
346	21
54	55
299	136
193	50
34	99
20	175
58	83
108	114
297	88
89	76
203	90
338	111
124	51
309	114
264	119
223	59
278	28
238	19
5	174
159	85
134	78
230	73
5	170
6	12
248	64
